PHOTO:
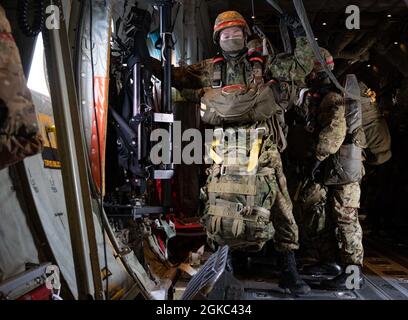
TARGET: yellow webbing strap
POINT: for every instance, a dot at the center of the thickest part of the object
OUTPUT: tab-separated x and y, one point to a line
254	154
255	149
213	155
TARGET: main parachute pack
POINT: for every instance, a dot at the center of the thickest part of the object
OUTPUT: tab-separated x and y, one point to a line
242	185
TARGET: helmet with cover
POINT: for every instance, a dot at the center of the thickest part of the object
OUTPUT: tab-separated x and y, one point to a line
229	19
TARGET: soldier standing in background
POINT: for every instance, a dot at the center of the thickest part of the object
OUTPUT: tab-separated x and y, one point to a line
334	172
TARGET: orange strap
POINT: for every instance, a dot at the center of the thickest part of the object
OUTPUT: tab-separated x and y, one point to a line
238	22
218	59
233	87
258	59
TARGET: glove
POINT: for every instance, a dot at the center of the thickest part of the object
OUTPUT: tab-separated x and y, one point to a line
294	24
313	168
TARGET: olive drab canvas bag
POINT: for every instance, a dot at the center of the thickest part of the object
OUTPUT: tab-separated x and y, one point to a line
238	104
240	191
241	185
346	166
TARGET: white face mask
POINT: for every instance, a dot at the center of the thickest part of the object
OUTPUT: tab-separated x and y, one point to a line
232	40
232	45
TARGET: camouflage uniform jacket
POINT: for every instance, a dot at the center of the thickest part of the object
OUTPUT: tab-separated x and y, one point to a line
19	134
332	125
283	67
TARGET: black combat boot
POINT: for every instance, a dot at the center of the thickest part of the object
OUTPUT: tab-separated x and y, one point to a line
289	278
353	280
330	269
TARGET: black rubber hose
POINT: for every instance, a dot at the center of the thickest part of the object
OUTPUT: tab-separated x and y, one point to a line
38	14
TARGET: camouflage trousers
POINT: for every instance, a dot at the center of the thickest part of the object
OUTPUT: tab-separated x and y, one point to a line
332	227
286	237
286	230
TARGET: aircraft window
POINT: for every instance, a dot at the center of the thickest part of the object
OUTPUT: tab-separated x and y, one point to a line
37	79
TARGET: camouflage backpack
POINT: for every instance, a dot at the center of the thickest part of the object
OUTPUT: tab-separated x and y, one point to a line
241	184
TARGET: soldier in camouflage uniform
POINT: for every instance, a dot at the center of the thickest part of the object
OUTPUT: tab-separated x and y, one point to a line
19	136
231	32
338	183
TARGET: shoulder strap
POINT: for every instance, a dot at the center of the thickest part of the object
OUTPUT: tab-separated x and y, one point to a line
218	63
257	62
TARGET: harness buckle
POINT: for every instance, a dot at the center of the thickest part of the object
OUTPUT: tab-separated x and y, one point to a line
258	130
239	208
217	86
223	170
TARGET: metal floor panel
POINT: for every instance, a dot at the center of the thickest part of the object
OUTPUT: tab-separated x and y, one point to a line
375	288
372	290
386	278
385	273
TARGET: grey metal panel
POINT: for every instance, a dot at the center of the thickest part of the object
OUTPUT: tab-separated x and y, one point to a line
47	190
23	283
46	187
48	194
17	243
